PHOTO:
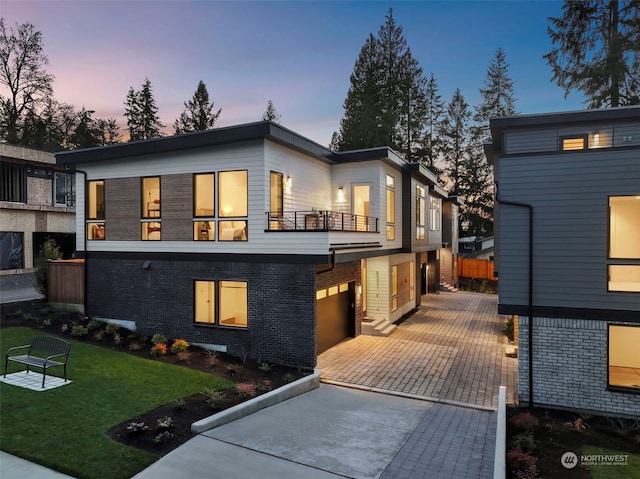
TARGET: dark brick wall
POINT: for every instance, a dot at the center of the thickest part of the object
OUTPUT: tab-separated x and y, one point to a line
343	273
281	297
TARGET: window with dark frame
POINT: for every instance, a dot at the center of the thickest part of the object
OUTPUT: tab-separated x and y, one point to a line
13	183
574	142
221	303
204	226
151	212
623	268
95	210
623	360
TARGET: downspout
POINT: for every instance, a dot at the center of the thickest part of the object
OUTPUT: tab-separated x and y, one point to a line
530	288
333	262
84	263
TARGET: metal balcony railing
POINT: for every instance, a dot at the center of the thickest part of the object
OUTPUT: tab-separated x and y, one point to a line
320	221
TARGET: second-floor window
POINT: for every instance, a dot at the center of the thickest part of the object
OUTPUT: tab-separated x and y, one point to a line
391	208
64	189
95	210
13	183
434	214
624	243
233	205
421	214
204	228
151	226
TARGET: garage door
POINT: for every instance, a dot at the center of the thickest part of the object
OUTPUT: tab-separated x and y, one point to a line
335	316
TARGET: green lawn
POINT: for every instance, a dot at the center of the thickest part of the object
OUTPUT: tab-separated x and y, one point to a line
66	428
606	471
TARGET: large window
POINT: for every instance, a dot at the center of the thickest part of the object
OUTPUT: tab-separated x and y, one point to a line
277	194
391	208
232	204
95	210
203	207
394	287
434	214
11	250
222	303
624	243
64	189
421	215
151	227
624	360
13	183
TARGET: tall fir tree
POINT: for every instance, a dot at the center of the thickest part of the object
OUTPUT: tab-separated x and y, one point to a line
271	114
142	113
86	133
198	113
430	144
596	45
385	104
498	99
454	134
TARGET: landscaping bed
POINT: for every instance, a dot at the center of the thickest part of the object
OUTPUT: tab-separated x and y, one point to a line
164	428
538	438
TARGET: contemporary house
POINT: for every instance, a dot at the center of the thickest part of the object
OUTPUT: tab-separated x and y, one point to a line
254	240
37	201
568	254
475	247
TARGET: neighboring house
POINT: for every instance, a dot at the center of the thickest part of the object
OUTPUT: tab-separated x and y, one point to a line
37	202
578	175
254	240
474	247
450	241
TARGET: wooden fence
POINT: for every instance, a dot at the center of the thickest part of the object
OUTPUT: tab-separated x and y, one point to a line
65	281
475	268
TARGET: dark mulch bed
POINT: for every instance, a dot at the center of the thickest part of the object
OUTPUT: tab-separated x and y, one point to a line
558	432
38	315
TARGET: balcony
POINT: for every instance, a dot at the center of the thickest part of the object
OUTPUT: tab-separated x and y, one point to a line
320	221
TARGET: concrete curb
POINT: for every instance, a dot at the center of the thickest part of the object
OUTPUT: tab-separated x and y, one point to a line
499	461
283	393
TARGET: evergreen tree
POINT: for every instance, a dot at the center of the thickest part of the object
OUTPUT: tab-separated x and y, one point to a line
596	47
22	73
498	99
86	133
108	131
385	104
454	133
198	113
430	144
271	114
142	113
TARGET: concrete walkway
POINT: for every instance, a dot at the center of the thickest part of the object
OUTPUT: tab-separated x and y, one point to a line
452	350
20	294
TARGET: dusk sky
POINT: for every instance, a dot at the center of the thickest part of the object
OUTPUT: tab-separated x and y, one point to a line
298	54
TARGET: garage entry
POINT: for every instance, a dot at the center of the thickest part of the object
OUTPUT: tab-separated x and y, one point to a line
335	313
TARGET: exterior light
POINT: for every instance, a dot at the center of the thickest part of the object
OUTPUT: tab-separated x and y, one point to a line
289	182
340	194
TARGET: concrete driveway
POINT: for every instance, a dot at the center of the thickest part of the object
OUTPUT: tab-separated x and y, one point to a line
452	350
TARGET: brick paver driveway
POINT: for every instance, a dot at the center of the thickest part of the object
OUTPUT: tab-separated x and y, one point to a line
451	350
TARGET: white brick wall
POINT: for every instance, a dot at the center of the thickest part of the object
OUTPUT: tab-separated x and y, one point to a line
570	366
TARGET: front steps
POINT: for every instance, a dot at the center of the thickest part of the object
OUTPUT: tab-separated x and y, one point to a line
378	327
448	288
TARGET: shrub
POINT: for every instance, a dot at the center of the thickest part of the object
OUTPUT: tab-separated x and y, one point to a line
623	426
289	377
232	369
159	339
184	356
159	349
79	330
524	441
165	422
179	346
44	310
135	346
49	250
117	338
264	367
518	460
246	389
212	396
94	324
509	329
178	404
162	437
267	385
524	421
212	358
112	329
99	334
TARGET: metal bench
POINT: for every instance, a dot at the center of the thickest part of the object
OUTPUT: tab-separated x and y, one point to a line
44	352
